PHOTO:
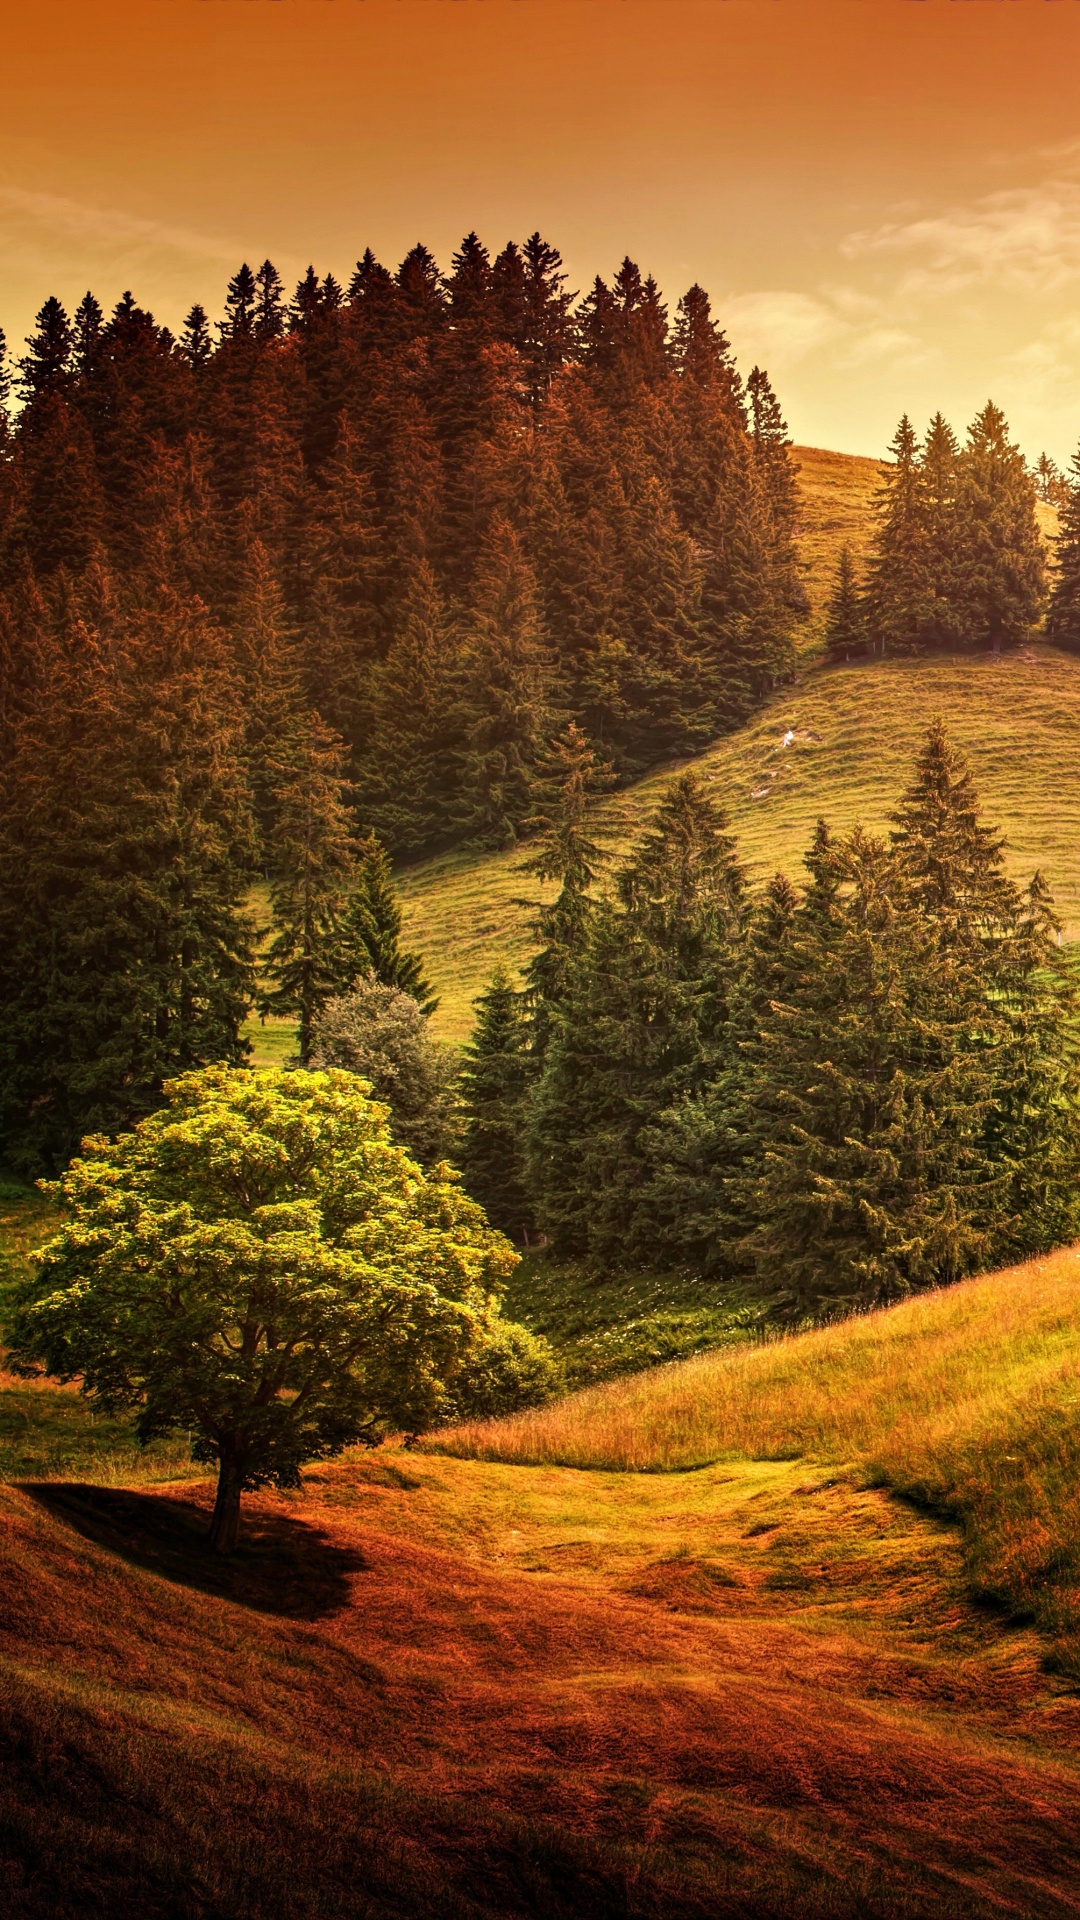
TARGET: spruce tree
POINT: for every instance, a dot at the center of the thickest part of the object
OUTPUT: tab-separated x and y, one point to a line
126	853
1063	614
845	632
1004	566
311	859
568	849
899	591
371	925
495	1082
637	1030
503	704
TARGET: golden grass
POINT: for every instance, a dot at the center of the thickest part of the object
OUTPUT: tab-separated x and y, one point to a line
856	730
965	1400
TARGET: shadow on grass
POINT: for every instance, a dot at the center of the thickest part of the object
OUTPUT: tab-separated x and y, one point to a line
282	1566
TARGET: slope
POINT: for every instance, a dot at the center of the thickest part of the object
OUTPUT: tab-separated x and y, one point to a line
838	742
963	1400
432	1685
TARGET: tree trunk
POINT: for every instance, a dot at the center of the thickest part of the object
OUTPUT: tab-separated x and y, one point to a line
225	1523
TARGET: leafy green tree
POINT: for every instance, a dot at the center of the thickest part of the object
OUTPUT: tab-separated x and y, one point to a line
498	1073
845	630
258	1264
380	1033
1063	614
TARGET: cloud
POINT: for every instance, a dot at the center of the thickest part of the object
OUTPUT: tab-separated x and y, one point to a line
108	226
782	328
1020	237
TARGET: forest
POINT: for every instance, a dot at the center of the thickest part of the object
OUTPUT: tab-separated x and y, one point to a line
434	559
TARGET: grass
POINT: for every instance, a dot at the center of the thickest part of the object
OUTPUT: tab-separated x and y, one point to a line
603	1325
965	1400
855	732
490	1687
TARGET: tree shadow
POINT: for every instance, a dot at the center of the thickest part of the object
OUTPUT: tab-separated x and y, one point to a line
282	1566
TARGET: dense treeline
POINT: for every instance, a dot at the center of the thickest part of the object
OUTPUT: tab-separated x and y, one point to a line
833	1094
442	513
957	559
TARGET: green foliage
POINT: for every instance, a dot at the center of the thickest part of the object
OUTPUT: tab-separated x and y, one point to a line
638	1028
371	929
126	851
498	1073
258	1263
380	1033
958	558
845	631
311	955
1063	613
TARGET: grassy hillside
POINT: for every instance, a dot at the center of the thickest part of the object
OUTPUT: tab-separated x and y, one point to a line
755	1691
965	1399
838	742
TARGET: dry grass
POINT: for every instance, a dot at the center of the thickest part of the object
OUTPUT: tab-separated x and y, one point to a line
439	1686
964	1400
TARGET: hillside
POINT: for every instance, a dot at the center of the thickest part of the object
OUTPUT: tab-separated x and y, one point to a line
762	1688
838	742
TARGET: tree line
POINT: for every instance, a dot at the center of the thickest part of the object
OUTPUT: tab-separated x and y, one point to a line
441	512
830	1094
957	558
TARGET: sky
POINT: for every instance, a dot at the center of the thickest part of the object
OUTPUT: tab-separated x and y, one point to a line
881	196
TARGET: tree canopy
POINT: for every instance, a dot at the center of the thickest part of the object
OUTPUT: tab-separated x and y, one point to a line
258	1262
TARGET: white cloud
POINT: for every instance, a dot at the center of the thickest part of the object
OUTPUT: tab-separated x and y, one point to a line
782	328
1021	237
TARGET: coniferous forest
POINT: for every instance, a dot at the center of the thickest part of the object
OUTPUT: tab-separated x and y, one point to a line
434	559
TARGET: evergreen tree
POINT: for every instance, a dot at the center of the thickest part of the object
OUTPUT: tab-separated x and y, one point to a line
401	758
568	849
1004	567
371	929
503	699
1063	614
126	852
636	1032
899	592
868	1181
495	1082
845	634
311	858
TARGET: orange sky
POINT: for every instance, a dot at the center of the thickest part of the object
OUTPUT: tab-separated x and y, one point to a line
882	196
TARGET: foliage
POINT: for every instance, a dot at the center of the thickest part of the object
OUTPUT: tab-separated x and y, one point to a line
958	558
380	1033
259	1264
126	851
498	1071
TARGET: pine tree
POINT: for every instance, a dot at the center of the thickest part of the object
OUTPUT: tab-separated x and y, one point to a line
371	926
503	703
845	634
498	1073
868	1105
637	1029
401	759
899	592
311	857
1004	568
939	467
126	852
1063	614
569	850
